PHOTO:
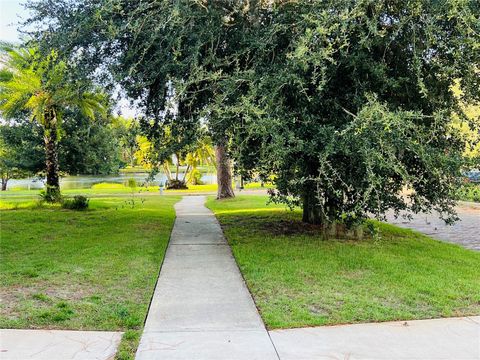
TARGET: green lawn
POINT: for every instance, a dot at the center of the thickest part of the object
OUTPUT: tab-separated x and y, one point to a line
90	270
9	198
17	199
299	279
104	189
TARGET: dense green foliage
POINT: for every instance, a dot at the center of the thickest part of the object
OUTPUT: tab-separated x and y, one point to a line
78	202
85	147
21	151
89	147
357	105
178	152
127	132
469	192
346	102
298	279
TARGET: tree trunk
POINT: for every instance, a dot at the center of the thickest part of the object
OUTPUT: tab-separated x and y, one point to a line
224	173
4	183
51	158
185	174
166	169
312	210
132	159
178	166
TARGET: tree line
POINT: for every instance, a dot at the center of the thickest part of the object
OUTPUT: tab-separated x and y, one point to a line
84	147
83	136
103	146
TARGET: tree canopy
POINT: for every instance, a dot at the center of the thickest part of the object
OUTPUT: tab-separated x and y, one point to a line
21	151
347	103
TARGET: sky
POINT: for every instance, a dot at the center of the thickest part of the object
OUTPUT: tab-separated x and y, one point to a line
11	14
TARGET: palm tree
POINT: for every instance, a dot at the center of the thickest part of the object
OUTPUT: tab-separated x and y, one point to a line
203	153
41	87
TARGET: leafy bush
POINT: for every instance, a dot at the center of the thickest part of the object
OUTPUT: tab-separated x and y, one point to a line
196	177
132	184
79	202
469	192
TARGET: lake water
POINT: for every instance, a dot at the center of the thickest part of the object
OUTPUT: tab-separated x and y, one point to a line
86	181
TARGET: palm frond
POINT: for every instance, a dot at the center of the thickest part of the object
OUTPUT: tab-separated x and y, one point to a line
91	104
18	82
41	85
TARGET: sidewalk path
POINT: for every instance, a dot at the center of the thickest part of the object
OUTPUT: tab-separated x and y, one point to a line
58	344
438	339
464	232
201	308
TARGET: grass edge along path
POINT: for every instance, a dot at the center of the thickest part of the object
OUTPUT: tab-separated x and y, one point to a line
84	270
298	279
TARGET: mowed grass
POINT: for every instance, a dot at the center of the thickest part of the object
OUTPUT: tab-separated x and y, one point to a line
85	270
11	198
299	279
104	189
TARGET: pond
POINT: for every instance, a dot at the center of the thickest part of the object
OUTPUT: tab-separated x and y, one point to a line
86	181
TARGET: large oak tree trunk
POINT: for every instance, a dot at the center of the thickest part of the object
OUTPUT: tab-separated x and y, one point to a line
51	158
224	173
312	209
312	213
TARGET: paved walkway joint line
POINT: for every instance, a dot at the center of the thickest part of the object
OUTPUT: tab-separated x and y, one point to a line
201	308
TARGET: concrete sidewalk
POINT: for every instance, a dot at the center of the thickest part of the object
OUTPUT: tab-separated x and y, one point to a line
58	344
438	339
201	308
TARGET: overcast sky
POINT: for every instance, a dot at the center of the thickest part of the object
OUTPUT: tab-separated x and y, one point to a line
11	13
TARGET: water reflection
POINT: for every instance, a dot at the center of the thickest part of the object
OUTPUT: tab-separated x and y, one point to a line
87	181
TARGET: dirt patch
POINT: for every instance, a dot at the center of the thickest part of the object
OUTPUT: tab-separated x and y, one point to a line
291	227
355	275
318	310
13	296
273	226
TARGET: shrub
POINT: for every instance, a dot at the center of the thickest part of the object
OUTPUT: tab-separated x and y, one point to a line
196	177
132	184
469	192
79	202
